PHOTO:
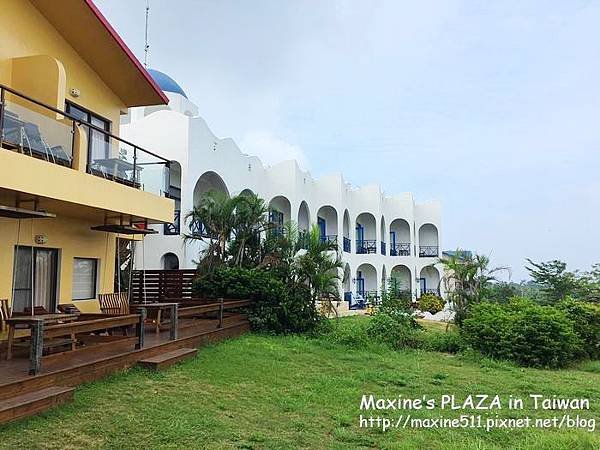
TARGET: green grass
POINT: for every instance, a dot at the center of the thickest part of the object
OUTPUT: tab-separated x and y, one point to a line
261	392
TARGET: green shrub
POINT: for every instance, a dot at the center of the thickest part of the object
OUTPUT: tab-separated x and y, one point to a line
431	303
351	332
396	330
276	307
441	341
586	322
396	300
527	333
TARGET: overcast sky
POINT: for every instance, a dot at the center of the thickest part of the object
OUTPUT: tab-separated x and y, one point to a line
491	107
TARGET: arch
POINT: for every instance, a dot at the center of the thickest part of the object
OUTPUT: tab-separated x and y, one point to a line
280	212
347	279
429	279
401	278
247	192
170	261
366	280
327	221
366	237
400	242
209	181
428	240
382	232
303	217
346	231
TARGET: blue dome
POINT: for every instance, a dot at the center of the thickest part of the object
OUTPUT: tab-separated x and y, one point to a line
165	82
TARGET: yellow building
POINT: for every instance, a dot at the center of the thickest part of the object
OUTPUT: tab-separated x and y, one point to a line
71	191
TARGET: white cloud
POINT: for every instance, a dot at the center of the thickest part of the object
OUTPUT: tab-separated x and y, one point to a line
272	149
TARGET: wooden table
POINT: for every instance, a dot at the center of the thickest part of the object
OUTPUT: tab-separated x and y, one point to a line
36	323
157	310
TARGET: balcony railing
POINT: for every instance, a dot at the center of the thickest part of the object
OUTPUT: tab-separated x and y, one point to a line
197	229
401	249
33	128
366	246
171	229
331	238
347	244
426	251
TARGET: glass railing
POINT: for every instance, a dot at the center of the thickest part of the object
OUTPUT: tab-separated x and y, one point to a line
41	131
34	129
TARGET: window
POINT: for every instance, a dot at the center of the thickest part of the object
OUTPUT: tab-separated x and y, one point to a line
98	143
85	271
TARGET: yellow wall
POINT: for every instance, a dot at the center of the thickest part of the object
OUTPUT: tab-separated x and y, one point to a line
25	32
73	238
36	60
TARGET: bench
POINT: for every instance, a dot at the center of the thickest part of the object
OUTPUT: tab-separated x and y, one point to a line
115	304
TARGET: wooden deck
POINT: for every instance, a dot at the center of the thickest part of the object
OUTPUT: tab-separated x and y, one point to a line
69	369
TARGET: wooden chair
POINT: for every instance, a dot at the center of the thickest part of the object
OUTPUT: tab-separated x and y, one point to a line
4	313
116	303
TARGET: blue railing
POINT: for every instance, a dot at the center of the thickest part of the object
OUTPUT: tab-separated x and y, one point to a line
173	228
346	244
426	251
366	246
401	249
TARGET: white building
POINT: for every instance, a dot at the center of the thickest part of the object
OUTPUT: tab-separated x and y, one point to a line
380	237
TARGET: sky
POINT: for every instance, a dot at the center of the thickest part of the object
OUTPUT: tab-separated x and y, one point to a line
493	108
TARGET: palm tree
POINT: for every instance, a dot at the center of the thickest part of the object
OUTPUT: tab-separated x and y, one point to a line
215	219
466	277
250	221
319	265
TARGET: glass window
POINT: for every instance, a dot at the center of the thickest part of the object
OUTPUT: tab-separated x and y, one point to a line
84	278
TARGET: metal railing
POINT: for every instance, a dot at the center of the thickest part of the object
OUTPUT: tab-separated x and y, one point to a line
197	229
41	131
366	246
173	228
426	251
331	238
400	249
347	244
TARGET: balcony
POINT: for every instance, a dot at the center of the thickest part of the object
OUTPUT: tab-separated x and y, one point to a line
198	230
428	251
174	228
346	244
46	133
366	246
401	249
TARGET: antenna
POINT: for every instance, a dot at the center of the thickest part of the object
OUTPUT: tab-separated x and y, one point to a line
146	45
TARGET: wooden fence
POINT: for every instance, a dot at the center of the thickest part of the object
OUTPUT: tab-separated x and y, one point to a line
158	285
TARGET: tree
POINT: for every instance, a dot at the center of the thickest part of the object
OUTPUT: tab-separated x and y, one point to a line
467	277
555	280
250	221
319	266
214	218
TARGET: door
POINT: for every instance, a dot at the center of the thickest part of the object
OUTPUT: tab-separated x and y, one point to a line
360	284
423	285
393	251
322	227
35	278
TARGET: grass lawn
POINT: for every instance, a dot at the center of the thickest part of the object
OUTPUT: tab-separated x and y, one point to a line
295	392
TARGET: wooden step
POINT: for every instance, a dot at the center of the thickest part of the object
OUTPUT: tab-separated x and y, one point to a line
34	402
165	360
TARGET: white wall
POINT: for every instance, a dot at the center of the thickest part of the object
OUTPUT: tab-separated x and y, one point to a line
173	133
